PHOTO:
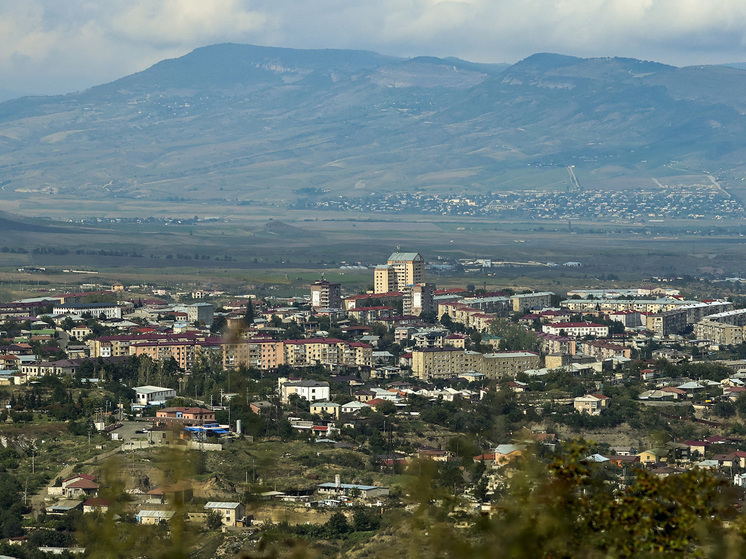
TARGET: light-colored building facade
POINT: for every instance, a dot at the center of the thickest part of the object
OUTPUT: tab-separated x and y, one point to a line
201	313
231	513
576	329
592	404
526	301
311	390
96	310
401	270
448	362
149	395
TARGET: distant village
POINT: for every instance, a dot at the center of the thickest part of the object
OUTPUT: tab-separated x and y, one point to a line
656	203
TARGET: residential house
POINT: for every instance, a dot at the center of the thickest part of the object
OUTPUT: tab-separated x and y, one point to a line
697	448
653	456
507	453
337	488
592	404
326	408
231	513
184	416
96	504
311	390
154	516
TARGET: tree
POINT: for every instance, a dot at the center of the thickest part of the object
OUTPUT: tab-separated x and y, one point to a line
214	520
724	409
741	405
364	519
513	336
249	316
218	325
337	525
386	407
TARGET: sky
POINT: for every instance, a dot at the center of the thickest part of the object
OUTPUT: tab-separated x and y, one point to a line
61	46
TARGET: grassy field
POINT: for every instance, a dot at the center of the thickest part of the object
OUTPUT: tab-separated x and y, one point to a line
255	249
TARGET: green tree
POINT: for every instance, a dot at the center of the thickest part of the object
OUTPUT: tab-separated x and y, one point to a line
214	520
248	317
337	525
365	519
724	409
513	336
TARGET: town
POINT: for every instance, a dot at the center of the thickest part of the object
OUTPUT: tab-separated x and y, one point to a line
697	201
240	419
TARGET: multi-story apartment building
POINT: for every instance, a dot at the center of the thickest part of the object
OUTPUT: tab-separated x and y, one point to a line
507	363
260	353
326	295
201	313
553	343
107	310
694	309
368	315
438	362
418	299
576	329
402	269
725	328
449	362
719	333
604	350
388	299
497	305
629	318
526	301
184	352
268	354
667	322
736	317
182	347
467	315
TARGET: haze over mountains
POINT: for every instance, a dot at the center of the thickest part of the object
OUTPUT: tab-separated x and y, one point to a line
247	124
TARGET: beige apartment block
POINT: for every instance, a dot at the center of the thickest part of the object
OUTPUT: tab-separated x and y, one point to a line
447	362
401	270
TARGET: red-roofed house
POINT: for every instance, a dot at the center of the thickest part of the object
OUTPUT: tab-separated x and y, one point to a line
80	487
184	416
375	402
96	504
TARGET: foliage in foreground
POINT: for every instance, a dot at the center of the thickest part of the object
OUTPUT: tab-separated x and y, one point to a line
567	509
571	510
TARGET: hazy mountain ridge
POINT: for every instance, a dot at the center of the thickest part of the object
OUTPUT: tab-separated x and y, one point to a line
241	123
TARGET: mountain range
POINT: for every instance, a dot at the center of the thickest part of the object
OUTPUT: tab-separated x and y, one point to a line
244	124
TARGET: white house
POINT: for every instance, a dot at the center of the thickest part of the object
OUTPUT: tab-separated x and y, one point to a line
311	390
149	395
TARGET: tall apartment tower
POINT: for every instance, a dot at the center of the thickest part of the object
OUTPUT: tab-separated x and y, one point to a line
326	295
418	299
402	269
